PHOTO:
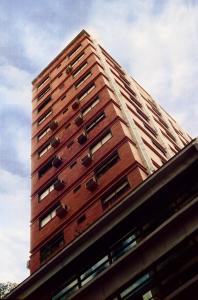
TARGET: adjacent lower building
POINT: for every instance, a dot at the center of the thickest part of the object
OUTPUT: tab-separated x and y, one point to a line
114	191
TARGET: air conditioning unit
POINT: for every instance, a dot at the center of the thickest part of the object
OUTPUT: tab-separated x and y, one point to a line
92	184
79	120
57	161
82	138
75	104
59	185
53	125
86	160
55	142
68	69
61	211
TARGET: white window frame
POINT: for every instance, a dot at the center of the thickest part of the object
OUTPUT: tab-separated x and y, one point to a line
94	123
100	143
42	94
76	50
43	133
44	150
51	215
114	193
46	192
80	69
83	80
88	91
92	105
44	117
42	82
77	60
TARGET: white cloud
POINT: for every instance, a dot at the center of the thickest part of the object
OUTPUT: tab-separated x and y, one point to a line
15	87
39	46
14	227
159	49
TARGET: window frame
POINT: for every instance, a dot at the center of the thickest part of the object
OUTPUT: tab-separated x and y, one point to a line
106	164
44	150
46	191
44	117
87	109
80	69
50	214
86	92
74	50
91	125
43	92
43	133
83	79
52	247
114	193
45	168
42	82
75	61
100	142
43	104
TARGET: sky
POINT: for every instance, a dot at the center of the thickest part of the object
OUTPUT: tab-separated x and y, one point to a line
155	40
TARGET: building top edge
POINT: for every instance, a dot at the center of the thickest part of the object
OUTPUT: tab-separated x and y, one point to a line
83	31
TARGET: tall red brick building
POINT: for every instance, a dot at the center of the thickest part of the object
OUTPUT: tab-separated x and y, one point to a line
97	139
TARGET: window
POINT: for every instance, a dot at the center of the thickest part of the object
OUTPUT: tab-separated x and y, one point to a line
79	70
87	91
51	247
42	134
77	59
130	290
123	246
45	91
46	191
43	82
92	105
47	218
44	117
44	103
74	50
94	270
106	165
45	168
45	149
70	289
113	194
100	143
97	120
82	80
